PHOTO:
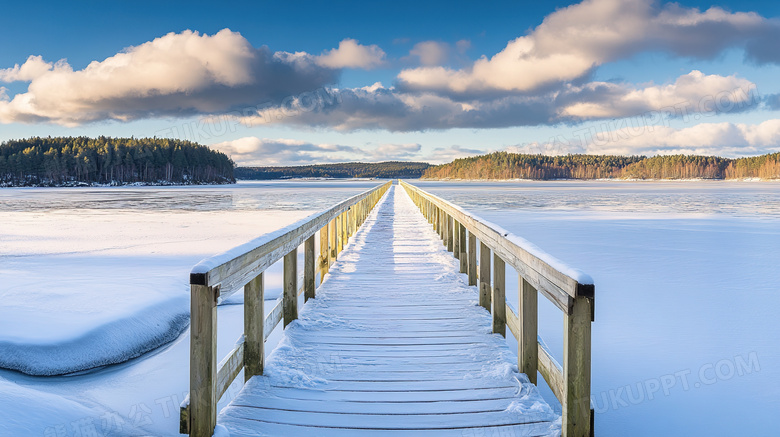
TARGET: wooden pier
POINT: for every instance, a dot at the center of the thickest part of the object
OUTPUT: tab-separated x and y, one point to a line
398	339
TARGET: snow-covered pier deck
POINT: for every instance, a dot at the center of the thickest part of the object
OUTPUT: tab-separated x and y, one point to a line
396	340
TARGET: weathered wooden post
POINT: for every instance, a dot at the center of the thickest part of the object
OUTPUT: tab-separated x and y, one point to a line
254	319
340	232
576	369
455	238
203	360
464	262
527	343
344	236
308	269
332	236
324	253
484	276
472	262
499	295
290	302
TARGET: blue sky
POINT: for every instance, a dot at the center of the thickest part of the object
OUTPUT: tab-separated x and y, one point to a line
299	83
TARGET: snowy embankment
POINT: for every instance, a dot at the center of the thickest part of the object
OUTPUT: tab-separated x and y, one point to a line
85	290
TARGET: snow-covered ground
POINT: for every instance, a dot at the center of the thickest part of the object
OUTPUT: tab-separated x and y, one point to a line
685	341
95	276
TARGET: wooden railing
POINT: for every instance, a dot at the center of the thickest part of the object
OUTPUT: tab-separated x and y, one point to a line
569	290
243	266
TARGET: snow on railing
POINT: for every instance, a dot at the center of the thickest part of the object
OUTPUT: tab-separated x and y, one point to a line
569	289
243	267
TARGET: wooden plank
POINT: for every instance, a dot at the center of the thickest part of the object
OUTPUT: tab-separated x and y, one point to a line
290	287
472	264
308	269
499	295
254	321
576	370
229	368
527	341
511	321
551	371
485	290
456	239
203	360
273	318
415	422
243	428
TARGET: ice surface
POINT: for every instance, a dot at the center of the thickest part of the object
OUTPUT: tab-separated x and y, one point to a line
91	276
686	277
686	280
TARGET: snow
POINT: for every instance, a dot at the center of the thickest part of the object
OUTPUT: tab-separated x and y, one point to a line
686	277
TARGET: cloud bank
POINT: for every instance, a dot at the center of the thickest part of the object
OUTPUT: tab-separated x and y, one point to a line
254	151
179	74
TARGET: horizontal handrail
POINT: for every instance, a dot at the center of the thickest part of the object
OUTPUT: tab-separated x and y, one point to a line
569	289
243	266
554	279
234	268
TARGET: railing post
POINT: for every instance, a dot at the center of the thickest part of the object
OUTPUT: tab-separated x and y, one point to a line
324	253
455	238
339	232
290	302
308	269
442	227
576	369
450	225
472	259
332	236
499	295
528	343
254	319
203	360
464	262
484	276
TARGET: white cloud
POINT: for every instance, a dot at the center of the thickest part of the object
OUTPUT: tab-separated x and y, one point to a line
691	93
34	67
177	74
395	152
431	52
463	46
379	107
572	41
721	139
254	151
351	54
441	155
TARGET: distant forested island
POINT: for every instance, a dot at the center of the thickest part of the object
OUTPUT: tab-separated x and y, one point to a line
69	161
382	170
503	165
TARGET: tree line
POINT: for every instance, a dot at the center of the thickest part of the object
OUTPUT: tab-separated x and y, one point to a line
106	160
504	165
383	170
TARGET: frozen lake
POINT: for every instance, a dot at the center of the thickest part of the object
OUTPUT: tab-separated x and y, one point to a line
685	340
